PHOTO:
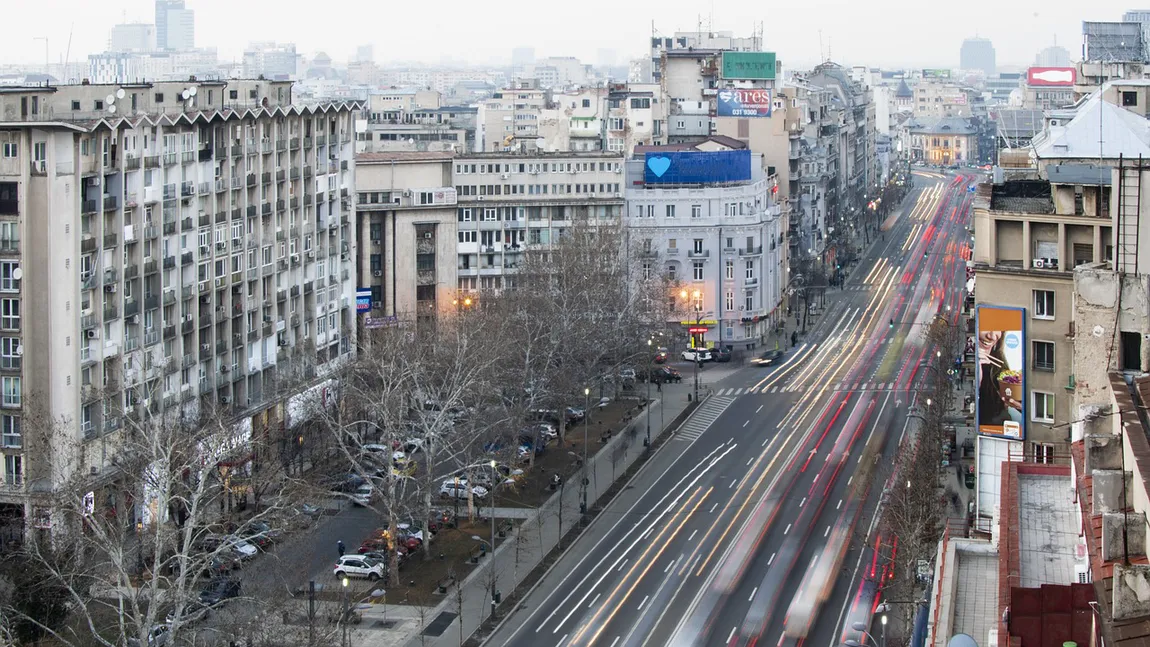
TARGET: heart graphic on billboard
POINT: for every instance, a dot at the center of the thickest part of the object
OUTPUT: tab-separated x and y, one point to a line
659	165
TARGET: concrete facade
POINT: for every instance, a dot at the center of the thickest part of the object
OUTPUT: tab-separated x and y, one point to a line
180	255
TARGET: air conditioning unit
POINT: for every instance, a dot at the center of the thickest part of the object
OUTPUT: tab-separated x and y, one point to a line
219	283
427	235
203	249
503	176
110	288
295	258
1039	263
225	399
205	347
375	242
618	170
407	193
283	342
310	254
225	368
480	198
377	304
377	272
134	319
93	333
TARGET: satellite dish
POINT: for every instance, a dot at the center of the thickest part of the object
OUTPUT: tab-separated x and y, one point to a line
20	349
17	273
193	90
1098	331
120	93
185	94
111	98
961	640
111	108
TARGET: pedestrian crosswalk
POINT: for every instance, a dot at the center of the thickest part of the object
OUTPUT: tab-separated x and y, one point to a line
793	388
704	416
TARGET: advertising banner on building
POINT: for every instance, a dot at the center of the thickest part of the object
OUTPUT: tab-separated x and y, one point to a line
935	74
1050	77
1000	401
363	300
743	103
697	167
749	66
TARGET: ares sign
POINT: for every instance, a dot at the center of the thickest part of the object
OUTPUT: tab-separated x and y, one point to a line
743	103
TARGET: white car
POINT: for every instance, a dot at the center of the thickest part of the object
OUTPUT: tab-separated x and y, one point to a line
158	636
697	355
359	566
413	445
458	489
243	549
363	495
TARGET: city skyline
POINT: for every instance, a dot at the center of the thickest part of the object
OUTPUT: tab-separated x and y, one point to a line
848	34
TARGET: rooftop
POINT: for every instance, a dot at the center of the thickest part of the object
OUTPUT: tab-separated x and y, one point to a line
403	156
1084	174
1046	530
1022	196
1098	130
944	126
509	155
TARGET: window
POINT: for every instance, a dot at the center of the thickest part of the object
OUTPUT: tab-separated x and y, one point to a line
1043	453
730	300
750	269
671	272
1043	304
10	314
10	431
1129	99
9	353
670	211
698	246
11	391
646	271
9	276
1043	356
696	211
749	302
730	269
697	270
10	149
1042	406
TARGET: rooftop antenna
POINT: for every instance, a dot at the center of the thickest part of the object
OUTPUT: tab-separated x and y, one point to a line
821	46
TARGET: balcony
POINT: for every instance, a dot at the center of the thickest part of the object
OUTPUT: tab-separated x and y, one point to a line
151	301
89	206
187	189
206	383
281	144
171	158
280	206
131	163
187	326
750	282
131	271
294	173
152	161
221	216
187	157
131	344
307	142
293	143
751	251
169	331
88	245
204	188
111	312
150	266
205	219
321	140
221	347
266	177
307	172
169	296
698	253
266	209
186	258
281	175
251	210
151	337
187	224
111	240
237	182
294	201
237	214
151	232
237	150
251	179
111	202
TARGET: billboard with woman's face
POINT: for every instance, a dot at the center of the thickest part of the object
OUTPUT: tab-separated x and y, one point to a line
1001	378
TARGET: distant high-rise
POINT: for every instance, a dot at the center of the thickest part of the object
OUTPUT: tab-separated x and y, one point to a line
175	26
133	37
977	54
1053	56
523	56
365	54
1136	15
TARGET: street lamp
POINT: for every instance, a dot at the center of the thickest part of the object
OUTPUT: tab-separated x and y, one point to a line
494	483
862	627
650	377
586	419
346	612
494	573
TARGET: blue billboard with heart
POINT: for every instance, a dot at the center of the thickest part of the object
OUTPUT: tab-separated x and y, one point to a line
697	167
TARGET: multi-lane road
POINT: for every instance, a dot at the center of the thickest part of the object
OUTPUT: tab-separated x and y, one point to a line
740	530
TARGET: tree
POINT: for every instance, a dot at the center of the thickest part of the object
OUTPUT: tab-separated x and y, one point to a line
118	572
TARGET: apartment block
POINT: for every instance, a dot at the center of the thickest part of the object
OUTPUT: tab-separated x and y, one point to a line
509	202
406	220
510	118
415	121
172	245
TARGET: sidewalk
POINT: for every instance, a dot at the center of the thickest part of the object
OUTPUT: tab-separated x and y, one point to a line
466	606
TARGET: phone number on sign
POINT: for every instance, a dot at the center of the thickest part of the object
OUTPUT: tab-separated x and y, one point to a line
749	112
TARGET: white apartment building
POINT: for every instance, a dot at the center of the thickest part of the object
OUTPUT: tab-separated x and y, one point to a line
725	241
509	120
172	245
508	202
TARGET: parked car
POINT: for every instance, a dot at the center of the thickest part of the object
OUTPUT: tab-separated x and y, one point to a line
219	590
309	510
193	611
363	495
668	374
264	529
459	488
661	355
627	375
721	354
346	483
575	414
158	636
769	358
359	566
244	549
697	355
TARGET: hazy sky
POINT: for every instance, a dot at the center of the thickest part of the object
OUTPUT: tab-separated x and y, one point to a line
874	32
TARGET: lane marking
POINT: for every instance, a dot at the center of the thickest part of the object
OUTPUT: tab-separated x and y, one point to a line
594	600
839	505
788	529
759	409
765	441
827	532
621	565
731	635
817	477
644	602
616	641
746	423
714	506
733	482
753	594
750	460
697	530
803	502
672	564
563	639
850	479
771	559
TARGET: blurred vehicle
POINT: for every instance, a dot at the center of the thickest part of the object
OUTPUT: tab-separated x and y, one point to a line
575	414
309	510
363	495
264	529
220	565
721	354
661	355
769	358
359	566
697	355
219	590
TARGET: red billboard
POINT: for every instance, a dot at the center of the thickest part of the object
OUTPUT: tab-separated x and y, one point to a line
1050	76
